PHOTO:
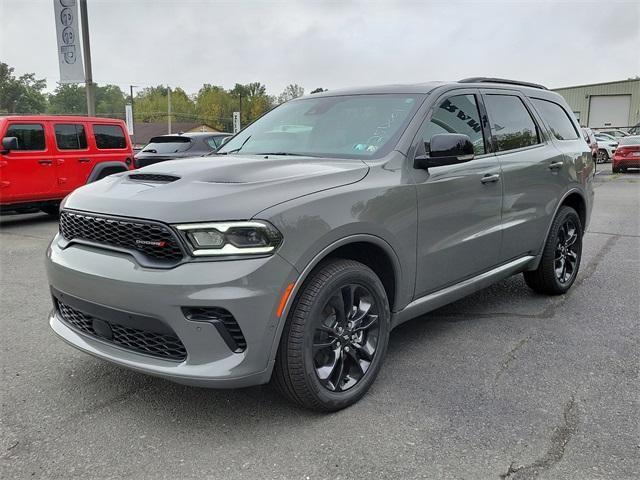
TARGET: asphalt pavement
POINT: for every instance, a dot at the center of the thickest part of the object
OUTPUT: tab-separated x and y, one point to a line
505	384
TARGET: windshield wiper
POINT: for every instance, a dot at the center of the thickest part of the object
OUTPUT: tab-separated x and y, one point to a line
235	149
289	154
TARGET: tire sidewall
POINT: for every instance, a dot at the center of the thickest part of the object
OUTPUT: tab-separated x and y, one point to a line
367	278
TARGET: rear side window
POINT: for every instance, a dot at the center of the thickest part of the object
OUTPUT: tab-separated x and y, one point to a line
109	136
214	142
70	136
557	119
30	135
511	122
457	114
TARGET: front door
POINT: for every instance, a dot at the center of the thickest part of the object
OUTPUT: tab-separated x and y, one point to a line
459	223
28	172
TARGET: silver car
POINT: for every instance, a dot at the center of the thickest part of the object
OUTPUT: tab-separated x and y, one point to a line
291	255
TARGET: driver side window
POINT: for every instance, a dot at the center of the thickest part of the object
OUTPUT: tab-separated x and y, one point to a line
457	114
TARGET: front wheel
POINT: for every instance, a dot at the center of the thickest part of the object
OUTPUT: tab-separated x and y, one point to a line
615	169
561	256
335	338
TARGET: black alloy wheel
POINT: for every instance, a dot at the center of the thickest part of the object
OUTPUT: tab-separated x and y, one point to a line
346	337
335	337
566	258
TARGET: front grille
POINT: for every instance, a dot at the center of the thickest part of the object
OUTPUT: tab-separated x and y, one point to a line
160	345
151	239
223	320
153	177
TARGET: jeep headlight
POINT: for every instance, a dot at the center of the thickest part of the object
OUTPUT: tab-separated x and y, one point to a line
253	237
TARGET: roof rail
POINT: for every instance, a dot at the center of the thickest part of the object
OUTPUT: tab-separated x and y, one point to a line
501	80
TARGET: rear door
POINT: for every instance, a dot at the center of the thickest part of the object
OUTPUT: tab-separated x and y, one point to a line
458	205
532	172
28	173
73	158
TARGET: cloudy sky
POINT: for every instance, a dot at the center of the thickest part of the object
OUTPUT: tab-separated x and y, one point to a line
333	44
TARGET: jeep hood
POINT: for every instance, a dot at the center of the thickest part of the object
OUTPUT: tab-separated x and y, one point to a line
214	188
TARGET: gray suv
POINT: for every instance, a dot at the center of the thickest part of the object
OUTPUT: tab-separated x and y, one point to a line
291	254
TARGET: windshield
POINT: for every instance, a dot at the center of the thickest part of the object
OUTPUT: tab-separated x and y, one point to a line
167	144
351	126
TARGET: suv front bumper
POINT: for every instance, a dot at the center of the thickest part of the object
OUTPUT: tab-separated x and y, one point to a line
249	289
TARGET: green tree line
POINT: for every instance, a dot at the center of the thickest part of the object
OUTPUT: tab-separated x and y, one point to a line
212	105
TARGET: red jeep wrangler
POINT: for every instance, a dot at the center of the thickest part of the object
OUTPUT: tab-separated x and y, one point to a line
44	158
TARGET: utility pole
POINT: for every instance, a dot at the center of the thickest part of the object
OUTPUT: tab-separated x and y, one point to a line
86	52
169	109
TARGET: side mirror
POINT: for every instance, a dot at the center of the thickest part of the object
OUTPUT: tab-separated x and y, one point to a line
9	143
446	149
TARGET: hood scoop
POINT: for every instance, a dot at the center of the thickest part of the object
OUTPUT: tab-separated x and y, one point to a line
153	177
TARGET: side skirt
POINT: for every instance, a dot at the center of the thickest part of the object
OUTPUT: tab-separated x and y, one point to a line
452	293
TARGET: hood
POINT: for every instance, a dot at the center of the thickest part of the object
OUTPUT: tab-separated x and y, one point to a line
214	188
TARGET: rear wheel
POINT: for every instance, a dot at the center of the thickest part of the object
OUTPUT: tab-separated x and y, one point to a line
603	156
335	338
561	256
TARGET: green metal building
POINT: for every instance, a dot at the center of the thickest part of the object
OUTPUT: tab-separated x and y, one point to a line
600	105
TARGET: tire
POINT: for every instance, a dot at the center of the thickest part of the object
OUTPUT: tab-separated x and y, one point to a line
51	210
615	169
318	365
603	156
562	251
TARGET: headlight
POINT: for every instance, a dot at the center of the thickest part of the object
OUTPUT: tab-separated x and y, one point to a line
231	238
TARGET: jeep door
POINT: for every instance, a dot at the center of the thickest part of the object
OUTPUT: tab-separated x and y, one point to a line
458	205
28	172
532	172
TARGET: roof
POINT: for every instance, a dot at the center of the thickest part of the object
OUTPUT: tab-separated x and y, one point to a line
35	118
427	87
598	84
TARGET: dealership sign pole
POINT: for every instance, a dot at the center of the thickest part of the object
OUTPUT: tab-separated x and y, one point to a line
68	27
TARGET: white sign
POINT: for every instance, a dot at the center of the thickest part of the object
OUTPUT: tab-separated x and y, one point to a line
236	122
128	116
68	41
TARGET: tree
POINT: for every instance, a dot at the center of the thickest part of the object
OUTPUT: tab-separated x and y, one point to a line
214	106
152	105
71	99
22	94
290	92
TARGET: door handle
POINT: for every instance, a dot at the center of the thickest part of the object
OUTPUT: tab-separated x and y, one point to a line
45	162
490	178
84	160
556	165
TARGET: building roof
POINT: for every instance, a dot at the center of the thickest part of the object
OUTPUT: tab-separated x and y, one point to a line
598	84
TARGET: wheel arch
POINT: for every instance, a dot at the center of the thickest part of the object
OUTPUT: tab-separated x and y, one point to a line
385	263
103	169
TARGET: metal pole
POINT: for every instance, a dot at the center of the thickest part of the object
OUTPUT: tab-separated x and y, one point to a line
169	108
133	114
86	52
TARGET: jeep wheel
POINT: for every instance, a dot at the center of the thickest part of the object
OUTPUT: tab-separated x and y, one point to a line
561	255
335	338
52	210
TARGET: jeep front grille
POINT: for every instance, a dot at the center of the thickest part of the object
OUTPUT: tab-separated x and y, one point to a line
153	240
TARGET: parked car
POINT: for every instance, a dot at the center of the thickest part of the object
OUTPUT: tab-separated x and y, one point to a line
181	145
44	158
635	130
293	254
590	138
627	154
606	147
616	133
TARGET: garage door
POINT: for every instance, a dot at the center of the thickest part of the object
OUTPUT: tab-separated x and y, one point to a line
609	111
